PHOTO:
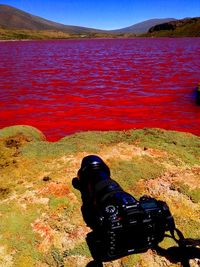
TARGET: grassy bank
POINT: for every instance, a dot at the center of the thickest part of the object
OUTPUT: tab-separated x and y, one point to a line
41	223
23	34
188	27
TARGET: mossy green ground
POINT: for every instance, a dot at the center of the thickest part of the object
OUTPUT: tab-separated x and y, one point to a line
40	218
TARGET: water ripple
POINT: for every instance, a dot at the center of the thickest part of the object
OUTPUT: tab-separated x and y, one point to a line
75	85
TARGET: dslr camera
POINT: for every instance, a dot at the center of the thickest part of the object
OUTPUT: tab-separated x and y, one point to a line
121	225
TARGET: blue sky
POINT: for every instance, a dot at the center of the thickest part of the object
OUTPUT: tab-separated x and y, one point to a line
107	14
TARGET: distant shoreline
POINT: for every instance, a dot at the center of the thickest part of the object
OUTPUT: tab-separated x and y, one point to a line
97	38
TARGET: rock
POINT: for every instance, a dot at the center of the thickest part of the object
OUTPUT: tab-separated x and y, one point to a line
46	178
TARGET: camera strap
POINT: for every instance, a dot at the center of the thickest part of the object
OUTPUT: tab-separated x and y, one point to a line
187	249
180	239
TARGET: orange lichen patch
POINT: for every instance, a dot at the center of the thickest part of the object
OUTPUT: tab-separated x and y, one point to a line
196	170
79	232
41	228
45	232
55	189
156	153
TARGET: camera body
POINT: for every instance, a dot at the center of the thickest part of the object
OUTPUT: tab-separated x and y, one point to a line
121	224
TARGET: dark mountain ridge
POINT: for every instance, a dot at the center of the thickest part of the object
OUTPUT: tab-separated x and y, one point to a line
144	26
189	27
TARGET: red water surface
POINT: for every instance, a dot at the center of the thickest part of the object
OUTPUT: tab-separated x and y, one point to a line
62	87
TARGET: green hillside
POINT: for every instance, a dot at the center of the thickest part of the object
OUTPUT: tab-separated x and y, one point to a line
180	28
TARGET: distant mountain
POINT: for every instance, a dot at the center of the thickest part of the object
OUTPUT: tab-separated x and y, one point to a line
189	27
143	27
17	24
13	18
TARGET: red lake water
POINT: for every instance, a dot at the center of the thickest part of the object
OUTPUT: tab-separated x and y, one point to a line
66	86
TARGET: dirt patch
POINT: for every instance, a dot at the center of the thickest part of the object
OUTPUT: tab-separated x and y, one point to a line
122	151
17	141
180	204
4	192
55	189
6	258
